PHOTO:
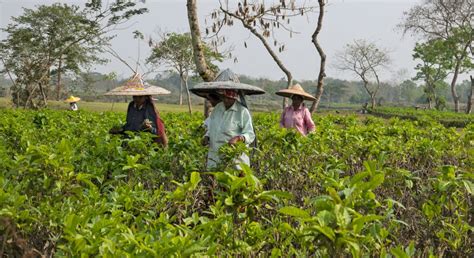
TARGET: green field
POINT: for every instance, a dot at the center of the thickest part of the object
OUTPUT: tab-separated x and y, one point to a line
357	186
122	107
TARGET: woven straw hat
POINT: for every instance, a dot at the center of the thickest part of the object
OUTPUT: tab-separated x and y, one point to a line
72	99
295	90
136	87
226	80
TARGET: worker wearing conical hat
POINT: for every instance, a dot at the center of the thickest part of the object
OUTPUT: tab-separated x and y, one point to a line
142	114
230	123
73	103
297	115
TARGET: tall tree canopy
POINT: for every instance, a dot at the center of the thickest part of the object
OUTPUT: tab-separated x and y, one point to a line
449	21
53	39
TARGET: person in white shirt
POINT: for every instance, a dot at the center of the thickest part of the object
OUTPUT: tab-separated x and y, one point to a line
73	103
73	106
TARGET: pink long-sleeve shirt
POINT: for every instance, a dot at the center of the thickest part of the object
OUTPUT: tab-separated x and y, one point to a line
300	119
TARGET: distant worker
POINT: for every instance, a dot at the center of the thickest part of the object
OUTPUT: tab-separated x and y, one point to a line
297	115
73	103
142	114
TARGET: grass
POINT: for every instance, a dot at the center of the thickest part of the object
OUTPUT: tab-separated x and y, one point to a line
162	107
109	106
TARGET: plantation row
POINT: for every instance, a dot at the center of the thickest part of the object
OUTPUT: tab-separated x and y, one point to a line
354	187
449	119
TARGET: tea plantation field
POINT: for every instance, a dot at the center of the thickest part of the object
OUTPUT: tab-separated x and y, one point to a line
361	187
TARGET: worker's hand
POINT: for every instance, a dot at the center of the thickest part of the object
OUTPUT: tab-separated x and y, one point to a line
205	141
236	139
147	124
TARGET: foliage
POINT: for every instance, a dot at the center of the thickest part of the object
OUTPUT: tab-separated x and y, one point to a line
450	119
439	58
450	24
434	67
55	39
176	51
368	187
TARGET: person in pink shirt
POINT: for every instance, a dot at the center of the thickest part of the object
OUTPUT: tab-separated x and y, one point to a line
297	115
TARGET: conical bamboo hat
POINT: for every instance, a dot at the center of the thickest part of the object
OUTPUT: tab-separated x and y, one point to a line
136	87
224	81
295	90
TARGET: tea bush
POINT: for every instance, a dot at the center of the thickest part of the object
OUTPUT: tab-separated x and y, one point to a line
358	187
447	118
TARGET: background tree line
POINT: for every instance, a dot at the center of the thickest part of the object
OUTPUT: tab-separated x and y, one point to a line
51	44
338	93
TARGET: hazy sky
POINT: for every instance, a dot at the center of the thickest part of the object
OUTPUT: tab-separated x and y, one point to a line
345	20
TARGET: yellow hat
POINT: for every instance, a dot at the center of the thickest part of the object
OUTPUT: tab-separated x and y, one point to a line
72	99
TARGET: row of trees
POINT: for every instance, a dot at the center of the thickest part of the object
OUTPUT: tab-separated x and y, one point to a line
401	91
49	42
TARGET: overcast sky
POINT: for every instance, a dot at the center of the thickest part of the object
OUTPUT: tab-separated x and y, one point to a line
345	20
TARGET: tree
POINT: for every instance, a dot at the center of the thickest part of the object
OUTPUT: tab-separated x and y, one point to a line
449	21
203	69
52	40
334	90
433	68
262	19
322	64
470	98
366	60
409	91
176	52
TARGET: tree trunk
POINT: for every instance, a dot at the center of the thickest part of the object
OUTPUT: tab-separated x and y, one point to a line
434	98
181	82
285	100
470	100
322	66
453	86
43	94
187	93
430	102
371	94
198	52
30	96
372	100
58	86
